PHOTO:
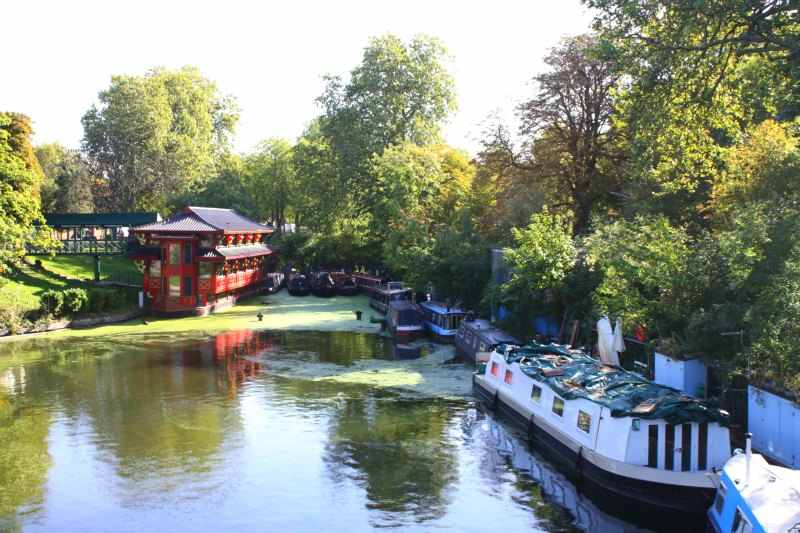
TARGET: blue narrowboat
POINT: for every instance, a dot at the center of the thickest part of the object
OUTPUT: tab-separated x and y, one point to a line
754	496
442	320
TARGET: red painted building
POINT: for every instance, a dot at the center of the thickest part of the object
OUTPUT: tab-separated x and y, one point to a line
202	259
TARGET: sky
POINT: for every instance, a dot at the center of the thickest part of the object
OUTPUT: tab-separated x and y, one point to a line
270	56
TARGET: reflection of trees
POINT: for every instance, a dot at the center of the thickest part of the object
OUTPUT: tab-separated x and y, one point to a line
341	347
24	460
159	406
398	451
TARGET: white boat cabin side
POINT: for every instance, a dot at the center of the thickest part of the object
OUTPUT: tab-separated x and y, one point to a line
689	447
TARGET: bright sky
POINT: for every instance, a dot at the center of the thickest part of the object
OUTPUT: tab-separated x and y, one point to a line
269	55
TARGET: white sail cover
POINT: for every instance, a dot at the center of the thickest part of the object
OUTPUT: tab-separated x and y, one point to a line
619	342
605	342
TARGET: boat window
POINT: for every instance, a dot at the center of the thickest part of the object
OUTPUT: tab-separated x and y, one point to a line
175	286
652	445
536	393
584	421
483	347
669	448
174	254
558	406
686	447
509	377
187	254
495	369
155	269
187	286
719	500
702	447
740	523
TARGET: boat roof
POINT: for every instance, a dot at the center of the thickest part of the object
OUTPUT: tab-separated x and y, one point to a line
442	308
486	331
574	374
773	492
402	305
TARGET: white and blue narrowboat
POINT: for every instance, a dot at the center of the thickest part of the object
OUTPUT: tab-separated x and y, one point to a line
754	496
441	320
632	439
477	338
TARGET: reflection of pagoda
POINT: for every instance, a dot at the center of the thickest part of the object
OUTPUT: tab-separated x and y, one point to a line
231	348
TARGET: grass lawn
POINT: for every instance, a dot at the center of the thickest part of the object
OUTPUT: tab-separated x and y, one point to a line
24	288
115	267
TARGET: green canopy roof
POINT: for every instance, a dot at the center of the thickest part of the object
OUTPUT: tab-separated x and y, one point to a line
72	220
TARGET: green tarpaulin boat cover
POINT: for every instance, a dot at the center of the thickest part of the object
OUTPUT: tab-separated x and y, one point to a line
574	374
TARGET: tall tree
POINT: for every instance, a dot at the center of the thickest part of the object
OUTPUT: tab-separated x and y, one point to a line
68	183
158	135
20	179
399	93
568	128
271	178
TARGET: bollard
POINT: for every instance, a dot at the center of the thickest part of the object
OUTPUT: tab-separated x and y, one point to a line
260	317
358	315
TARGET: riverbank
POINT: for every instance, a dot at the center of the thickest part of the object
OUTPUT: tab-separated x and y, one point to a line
280	312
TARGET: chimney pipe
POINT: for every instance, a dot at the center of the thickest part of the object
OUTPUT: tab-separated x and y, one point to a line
748	450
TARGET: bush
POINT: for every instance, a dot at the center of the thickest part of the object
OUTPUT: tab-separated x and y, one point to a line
101	300
75	300
52	302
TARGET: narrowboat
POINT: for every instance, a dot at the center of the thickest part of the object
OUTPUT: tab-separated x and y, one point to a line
404	319
442	320
477	338
630	438
322	285
299	285
383	295
345	284
273	282
367	282
755	496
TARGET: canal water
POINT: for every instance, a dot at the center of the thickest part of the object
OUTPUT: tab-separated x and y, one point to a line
194	433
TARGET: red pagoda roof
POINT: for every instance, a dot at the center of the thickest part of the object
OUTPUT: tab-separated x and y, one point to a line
205	220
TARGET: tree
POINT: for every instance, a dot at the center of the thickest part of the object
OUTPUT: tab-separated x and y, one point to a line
319	197
270	180
20	179
696	44
156	136
568	128
68	182
399	93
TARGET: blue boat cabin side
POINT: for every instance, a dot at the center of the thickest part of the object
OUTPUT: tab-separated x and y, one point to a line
442	320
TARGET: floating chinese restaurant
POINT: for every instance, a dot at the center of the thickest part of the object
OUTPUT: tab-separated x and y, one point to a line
202	259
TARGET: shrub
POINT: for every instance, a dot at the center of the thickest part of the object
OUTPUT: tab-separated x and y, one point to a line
75	300
52	302
101	300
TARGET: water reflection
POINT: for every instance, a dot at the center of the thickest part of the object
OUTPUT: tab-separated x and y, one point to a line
398	452
192	433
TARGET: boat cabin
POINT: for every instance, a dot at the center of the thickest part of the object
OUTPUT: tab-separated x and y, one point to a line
625	433
442	320
404	319
759	498
393	291
202	259
477	338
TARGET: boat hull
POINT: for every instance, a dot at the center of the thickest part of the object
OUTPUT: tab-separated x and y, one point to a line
692	502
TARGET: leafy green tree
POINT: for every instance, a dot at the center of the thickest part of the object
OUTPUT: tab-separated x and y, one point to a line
157	136
399	93
20	179
228	188
68	183
318	196
568	130
270	180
